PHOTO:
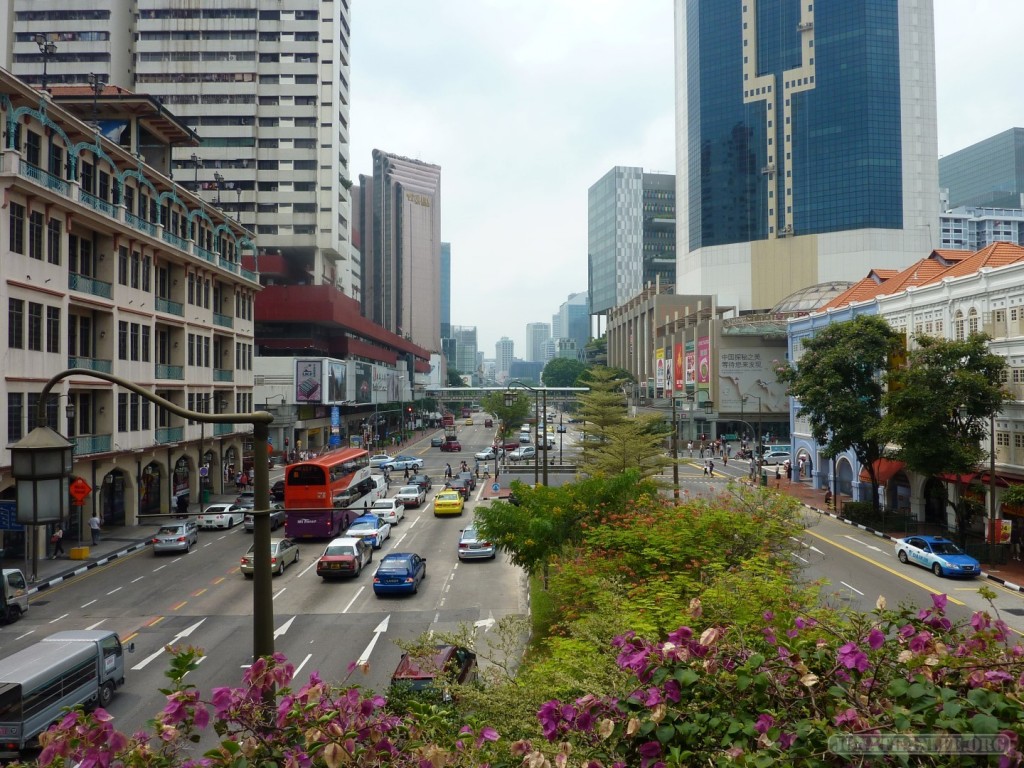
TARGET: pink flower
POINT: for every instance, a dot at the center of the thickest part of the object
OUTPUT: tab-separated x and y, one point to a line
852	657
980	621
876	638
939	601
920	641
764	722
846	716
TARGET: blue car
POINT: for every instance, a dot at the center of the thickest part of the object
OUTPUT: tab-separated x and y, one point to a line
402	462
371	529
399	573
941	556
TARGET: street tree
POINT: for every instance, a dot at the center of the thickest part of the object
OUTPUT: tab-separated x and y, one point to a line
509	416
562	372
939	409
839	381
633	444
604	406
455	378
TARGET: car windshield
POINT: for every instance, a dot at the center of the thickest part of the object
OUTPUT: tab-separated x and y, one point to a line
170	530
348	549
946	548
413	489
363	527
447	497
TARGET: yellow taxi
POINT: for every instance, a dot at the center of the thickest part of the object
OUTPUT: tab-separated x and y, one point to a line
448	503
469	422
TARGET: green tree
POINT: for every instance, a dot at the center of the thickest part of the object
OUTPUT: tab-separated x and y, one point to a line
455	377
562	372
939	408
839	382
604	406
630	444
509	416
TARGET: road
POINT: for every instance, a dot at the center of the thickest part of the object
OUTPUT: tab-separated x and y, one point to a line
201	599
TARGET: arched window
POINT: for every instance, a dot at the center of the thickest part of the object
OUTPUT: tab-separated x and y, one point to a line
958	326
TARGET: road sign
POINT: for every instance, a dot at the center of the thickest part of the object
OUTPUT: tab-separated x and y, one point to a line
79	489
496	487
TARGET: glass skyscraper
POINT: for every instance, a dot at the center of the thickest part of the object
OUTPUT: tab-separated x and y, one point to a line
806	142
987	174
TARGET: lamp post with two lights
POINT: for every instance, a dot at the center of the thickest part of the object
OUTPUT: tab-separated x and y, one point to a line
46	47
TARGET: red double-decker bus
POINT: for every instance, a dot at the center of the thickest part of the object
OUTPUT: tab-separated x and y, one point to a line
320	494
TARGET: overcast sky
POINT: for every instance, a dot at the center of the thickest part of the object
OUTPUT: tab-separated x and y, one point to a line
526	103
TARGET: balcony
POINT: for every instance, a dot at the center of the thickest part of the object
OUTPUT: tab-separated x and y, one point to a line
230	266
170	307
91	364
140	224
97	204
177	242
169	434
77	282
91	444
223	374
223	429
46	179
210	256
250	275
224	321
170	371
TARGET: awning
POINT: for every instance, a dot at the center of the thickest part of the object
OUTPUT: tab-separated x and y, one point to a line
965	479
884	470
1000	482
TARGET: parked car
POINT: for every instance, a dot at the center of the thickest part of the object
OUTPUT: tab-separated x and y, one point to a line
472	547
488	423
436	441
422	480
448	503
283	552
525	452
388	510
450	446
402	462
370	529
775	457
276	518
411	495
176	537
379	458
941	556
277	491
345	556
459	485
246	499
448	664
221	516
469	478
488	455
398	573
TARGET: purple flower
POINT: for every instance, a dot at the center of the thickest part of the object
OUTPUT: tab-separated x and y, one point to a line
767	615
876	638
852	657
939	601
846	716
764	722
802	623
980	621
786	740
920	641
907	630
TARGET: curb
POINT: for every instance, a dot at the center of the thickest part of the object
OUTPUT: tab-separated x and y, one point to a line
990	577
55	580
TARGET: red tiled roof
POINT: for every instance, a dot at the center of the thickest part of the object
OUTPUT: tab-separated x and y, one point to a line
994	255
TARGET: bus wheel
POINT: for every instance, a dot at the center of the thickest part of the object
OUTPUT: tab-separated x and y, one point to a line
106	694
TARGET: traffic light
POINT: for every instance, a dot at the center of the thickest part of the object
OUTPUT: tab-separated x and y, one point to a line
409	409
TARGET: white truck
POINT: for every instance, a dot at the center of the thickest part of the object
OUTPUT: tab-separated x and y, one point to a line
13	595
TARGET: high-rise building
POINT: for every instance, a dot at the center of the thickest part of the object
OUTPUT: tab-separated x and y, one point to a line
536	334
465	359
401	224
989	174
630	235
446	291
574	321
266	88
503	354
806	146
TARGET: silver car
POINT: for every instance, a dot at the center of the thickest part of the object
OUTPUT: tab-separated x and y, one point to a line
175	537
472	547
276	518
283	552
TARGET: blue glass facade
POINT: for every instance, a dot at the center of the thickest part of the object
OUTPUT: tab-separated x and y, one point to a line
834	89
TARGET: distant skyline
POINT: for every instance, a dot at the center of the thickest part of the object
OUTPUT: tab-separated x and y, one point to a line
525	106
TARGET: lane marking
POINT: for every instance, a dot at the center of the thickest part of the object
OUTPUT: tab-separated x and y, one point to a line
852	587
87	604
114	590
380	629
96	625
19	637
198	592
138	579
154	622
301	665
358	592
176	606
54	621
283	628
280	592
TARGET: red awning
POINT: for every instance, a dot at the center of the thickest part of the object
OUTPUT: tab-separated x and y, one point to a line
1000	482
965	479
884	470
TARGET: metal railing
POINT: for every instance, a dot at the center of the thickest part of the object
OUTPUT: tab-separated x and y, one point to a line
91	364
77	282
210	256
229	265
139	223
45	178
97	203
170	307
173	239
249	275
170	371
223	374
169	434
225	321
92	444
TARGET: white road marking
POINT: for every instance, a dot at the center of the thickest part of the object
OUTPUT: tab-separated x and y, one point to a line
801	559
138	579
159	567
156	654
115	590
54	621
853	588
87	604
281	592
96	625
301	665
358	592
25	635
380	629
283	628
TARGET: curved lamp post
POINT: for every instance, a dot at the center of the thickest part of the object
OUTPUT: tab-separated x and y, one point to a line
42	464
543	434
759	447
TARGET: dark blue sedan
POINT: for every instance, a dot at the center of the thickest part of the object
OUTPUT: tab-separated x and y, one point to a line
399	573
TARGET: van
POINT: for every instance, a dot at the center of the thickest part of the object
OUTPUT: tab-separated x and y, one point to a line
378	491
67	669
13	595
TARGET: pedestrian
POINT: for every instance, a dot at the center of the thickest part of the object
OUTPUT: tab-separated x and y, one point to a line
94	528
447	471
689	447
406	475
778	476
711	468
238	482
58	541
705	468
828	498
725	459
789	472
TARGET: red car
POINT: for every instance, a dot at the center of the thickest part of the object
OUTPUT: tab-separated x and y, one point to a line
449	664
450	446
344	557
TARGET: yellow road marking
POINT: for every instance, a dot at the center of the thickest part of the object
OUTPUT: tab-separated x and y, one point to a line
129	638
198	592
155	621
885	568
179	605
219	579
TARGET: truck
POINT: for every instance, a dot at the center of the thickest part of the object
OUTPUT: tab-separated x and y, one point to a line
13	595
448	420
66	669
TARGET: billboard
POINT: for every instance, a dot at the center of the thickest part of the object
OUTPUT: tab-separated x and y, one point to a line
337	381
659	369
364	382
669	378
309	381
748	372
704	360
677	367
691	364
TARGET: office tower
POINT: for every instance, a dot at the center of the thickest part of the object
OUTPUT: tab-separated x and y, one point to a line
465	348
401	213
574	320
988	174
536	334
265	85
630	235
805	143
446	290
503	354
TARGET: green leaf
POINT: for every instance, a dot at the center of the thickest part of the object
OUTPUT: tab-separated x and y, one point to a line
666	733
686	677
982	723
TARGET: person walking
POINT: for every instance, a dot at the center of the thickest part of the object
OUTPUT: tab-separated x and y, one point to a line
711	468
94	528
705	469
778	477
406	475
58	541
828	498
447	471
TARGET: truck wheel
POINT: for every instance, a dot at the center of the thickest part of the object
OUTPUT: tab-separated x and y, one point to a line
13	614
106	694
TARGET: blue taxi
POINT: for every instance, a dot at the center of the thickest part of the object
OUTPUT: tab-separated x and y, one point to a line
941	556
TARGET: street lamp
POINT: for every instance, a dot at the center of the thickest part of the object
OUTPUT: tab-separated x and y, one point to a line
41	463
97	85
196	162
758	447
510	399
219	178
46	47
201	464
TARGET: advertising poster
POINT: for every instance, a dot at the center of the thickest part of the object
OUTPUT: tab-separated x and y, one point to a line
704	360
677	367
691	367
308	381
659	369
746	372
669	378
364	382
336	382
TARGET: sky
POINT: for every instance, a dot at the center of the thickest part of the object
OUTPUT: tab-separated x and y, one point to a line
526	103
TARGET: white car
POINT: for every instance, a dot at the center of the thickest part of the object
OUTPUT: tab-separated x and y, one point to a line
380	458
388	510
222	516
775	457
488	455
402	462
526	452
411	495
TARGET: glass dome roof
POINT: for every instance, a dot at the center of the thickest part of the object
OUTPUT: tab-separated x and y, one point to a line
810	298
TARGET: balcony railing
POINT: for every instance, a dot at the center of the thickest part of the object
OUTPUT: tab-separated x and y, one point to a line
91	363
170	371
229	265
169	434
170	307
140	224
77	282
210	256
91	444
223	429
97	203
224	321
173	239
46	179
223	374
249	275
